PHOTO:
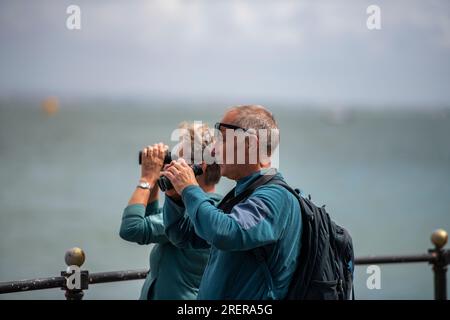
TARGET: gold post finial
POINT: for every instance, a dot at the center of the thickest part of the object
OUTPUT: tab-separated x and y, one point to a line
74	256
439	238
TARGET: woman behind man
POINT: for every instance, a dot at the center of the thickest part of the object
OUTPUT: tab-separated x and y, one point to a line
175	273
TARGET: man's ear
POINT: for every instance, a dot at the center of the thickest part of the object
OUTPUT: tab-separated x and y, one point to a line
251	133
251	138
204	165
252	146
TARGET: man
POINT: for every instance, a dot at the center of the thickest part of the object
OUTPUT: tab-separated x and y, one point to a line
175	273
269	220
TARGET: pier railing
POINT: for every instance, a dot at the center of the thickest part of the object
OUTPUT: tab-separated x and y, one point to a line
74	280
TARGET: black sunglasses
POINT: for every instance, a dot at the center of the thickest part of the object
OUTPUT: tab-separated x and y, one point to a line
218	125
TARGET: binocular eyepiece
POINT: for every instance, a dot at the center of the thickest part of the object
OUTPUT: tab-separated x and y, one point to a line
163	182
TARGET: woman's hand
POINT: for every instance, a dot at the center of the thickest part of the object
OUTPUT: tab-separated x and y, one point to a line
152	162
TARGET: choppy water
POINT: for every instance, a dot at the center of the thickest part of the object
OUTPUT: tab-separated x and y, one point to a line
65	180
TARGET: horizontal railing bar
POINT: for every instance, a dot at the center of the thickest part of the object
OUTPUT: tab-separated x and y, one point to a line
59	282
113	276
33	284
429	257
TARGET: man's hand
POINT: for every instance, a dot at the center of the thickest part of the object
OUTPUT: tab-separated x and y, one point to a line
152	162
172	193
181	175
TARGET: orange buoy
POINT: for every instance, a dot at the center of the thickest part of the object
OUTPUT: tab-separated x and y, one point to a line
50	105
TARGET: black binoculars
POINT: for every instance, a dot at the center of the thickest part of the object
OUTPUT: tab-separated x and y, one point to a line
167	157
163	182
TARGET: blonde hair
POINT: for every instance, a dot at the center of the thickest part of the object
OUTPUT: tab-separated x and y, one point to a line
196	133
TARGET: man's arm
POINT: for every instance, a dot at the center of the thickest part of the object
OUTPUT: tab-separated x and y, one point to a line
255	222
178	227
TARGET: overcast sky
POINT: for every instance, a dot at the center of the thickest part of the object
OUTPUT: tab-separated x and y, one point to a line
294	51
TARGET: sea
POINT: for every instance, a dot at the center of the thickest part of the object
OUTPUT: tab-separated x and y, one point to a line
66	177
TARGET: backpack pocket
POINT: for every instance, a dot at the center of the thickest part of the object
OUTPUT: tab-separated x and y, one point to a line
323	290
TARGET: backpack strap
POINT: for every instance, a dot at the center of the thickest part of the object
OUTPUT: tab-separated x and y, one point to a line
296	193
230	200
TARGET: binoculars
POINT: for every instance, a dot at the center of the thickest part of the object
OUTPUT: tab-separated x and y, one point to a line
163	182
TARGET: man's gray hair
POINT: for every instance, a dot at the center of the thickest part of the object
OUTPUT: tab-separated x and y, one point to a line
258	117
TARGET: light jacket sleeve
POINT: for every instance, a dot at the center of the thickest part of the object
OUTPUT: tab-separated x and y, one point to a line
255	222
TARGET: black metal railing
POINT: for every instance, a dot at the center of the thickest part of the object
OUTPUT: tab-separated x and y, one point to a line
438	257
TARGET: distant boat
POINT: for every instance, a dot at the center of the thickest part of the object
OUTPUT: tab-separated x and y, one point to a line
338	116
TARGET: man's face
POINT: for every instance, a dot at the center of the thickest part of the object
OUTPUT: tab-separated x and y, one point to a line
227	169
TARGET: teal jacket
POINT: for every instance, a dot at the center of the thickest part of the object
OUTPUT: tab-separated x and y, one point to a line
174	273
269	220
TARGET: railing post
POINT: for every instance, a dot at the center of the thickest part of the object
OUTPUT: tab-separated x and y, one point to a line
76	280
439	238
